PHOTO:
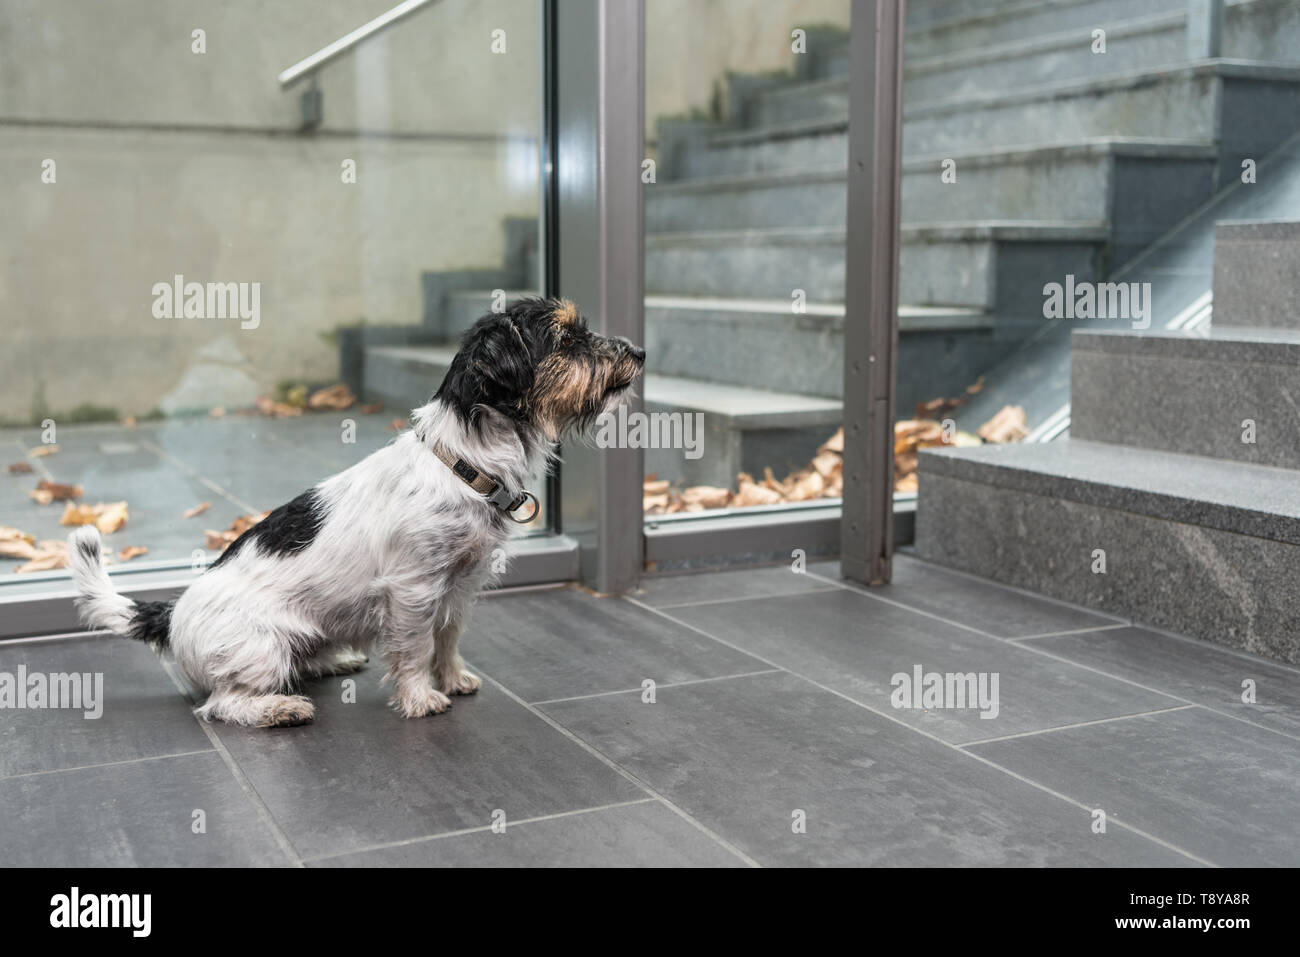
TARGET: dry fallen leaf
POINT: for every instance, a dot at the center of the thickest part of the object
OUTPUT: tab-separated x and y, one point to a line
107	517
751	493
196	510
655	487
49	555
705	496
268	406
42	450
334	399
217	412
220	541
56	492
372	408
16	544
21	468
397	425
111	518
1008	425
132	551
129	422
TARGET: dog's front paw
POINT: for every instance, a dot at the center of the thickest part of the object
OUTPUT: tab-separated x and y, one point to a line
459	682
418	702
287	711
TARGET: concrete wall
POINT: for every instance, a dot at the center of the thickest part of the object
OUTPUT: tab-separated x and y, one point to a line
691	44
169	161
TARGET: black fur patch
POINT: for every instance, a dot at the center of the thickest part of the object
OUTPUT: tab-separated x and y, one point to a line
152	623
287	530
497	359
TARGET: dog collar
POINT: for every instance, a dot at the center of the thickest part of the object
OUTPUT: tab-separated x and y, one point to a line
491	488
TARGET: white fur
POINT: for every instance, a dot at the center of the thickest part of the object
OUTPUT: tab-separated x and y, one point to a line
401	555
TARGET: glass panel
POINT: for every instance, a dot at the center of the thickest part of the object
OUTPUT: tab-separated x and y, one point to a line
216	292
746	110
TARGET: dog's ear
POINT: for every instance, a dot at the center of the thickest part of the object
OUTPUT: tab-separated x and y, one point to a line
493	368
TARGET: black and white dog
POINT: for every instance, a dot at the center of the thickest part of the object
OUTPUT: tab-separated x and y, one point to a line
395	548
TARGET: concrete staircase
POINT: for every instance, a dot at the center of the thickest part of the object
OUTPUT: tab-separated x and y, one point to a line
1067	162
1176	499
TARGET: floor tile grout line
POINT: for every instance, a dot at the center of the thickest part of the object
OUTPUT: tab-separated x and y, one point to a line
106	764
250	792
1234	652
194	473
1076	724
1020	643
670	684
429	838
723	601
1023	592
898	604
1069	631
619	769
1119	620
983	760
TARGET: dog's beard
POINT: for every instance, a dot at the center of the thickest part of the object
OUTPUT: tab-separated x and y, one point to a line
615	397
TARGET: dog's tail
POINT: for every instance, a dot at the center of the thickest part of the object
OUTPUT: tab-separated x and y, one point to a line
101	606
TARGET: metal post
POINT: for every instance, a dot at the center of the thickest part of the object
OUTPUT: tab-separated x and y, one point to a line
1204	29
600	144
871	288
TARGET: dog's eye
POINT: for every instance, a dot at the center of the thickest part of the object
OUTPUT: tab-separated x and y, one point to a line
567	339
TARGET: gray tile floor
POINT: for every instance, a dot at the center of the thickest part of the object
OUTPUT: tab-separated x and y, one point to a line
768	737
241	464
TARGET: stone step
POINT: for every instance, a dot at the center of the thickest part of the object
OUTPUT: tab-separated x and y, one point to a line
1255	268
999	267
807	144
743	429
1141	187
1223	393
1223	101
1200	546
1131	44
1146	37
731	341
992	24
744	341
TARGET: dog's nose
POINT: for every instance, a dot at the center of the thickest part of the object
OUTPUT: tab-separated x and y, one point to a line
637	352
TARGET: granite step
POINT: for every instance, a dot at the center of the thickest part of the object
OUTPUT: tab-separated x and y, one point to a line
731	341
1248	108
1149	34
744	341
995	266
1141	186
743	428
988	24
1223	393
1255	268
1196	545
1225	101
1132	43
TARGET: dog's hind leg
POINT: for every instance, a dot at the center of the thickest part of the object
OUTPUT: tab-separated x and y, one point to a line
333	661
250	709
449	672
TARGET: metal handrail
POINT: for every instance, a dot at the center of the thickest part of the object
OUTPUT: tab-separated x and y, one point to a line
343	45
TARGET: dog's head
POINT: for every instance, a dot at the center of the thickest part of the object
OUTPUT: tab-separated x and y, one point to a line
539	365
